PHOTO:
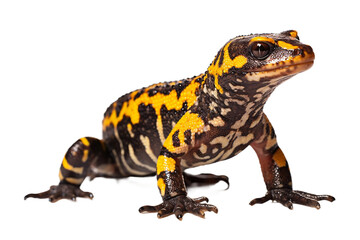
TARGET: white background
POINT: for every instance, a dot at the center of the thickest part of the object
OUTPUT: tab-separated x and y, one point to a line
63	62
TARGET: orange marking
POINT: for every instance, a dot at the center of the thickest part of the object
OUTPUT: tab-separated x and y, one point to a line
66	165
165	164
85	156
61	176
190	121
161	186
294	34
216	70
76	181
286	45
171	101
262	39
85	141
279	158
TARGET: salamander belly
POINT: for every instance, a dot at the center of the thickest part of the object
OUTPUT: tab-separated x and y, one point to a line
134	148
223	144
137	124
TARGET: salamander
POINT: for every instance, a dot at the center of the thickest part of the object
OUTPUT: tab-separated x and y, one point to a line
166	128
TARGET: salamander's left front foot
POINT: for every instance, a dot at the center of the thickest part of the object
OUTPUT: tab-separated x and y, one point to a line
180	205
287	197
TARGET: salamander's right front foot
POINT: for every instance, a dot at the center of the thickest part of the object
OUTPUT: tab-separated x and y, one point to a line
61	191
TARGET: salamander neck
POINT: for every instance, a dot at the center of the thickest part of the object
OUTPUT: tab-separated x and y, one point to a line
239	95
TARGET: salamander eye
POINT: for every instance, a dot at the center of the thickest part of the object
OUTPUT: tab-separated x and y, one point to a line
260	50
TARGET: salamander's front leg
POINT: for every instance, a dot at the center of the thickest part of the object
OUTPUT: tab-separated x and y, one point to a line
170	178
172	188
277	176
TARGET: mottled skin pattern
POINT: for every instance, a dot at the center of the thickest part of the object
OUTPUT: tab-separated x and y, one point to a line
168	127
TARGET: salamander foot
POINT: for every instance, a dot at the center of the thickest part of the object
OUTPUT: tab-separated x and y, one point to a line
61	191
180	205
287	197
205	179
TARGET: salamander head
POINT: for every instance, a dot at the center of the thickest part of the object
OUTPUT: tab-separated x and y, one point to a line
260	58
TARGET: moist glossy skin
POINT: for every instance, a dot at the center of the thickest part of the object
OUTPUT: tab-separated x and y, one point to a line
168	127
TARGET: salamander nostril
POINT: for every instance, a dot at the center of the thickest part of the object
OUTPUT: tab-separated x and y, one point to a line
307	49
298	51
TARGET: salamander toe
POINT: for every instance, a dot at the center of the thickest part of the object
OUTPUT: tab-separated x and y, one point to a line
180	205
61	191
287	197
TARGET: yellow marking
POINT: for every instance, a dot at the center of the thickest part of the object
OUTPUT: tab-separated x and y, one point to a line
294	34
223	140
129	128
279	158
301	58
197	157
242	121
171	101
122	158
217	85
165	164
203	148
217	122
159	128
85	156
262	39
66	165
255	123
270	142
136	161
216	70
61	176
189	121
76	181
238	141
161	186
286	45
159	84
146	143
211	160
85	141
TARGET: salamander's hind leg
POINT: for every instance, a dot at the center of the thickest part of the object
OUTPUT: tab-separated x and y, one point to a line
82	157
204	179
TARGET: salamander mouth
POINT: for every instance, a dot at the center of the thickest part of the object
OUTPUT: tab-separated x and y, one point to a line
306	65
279	70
